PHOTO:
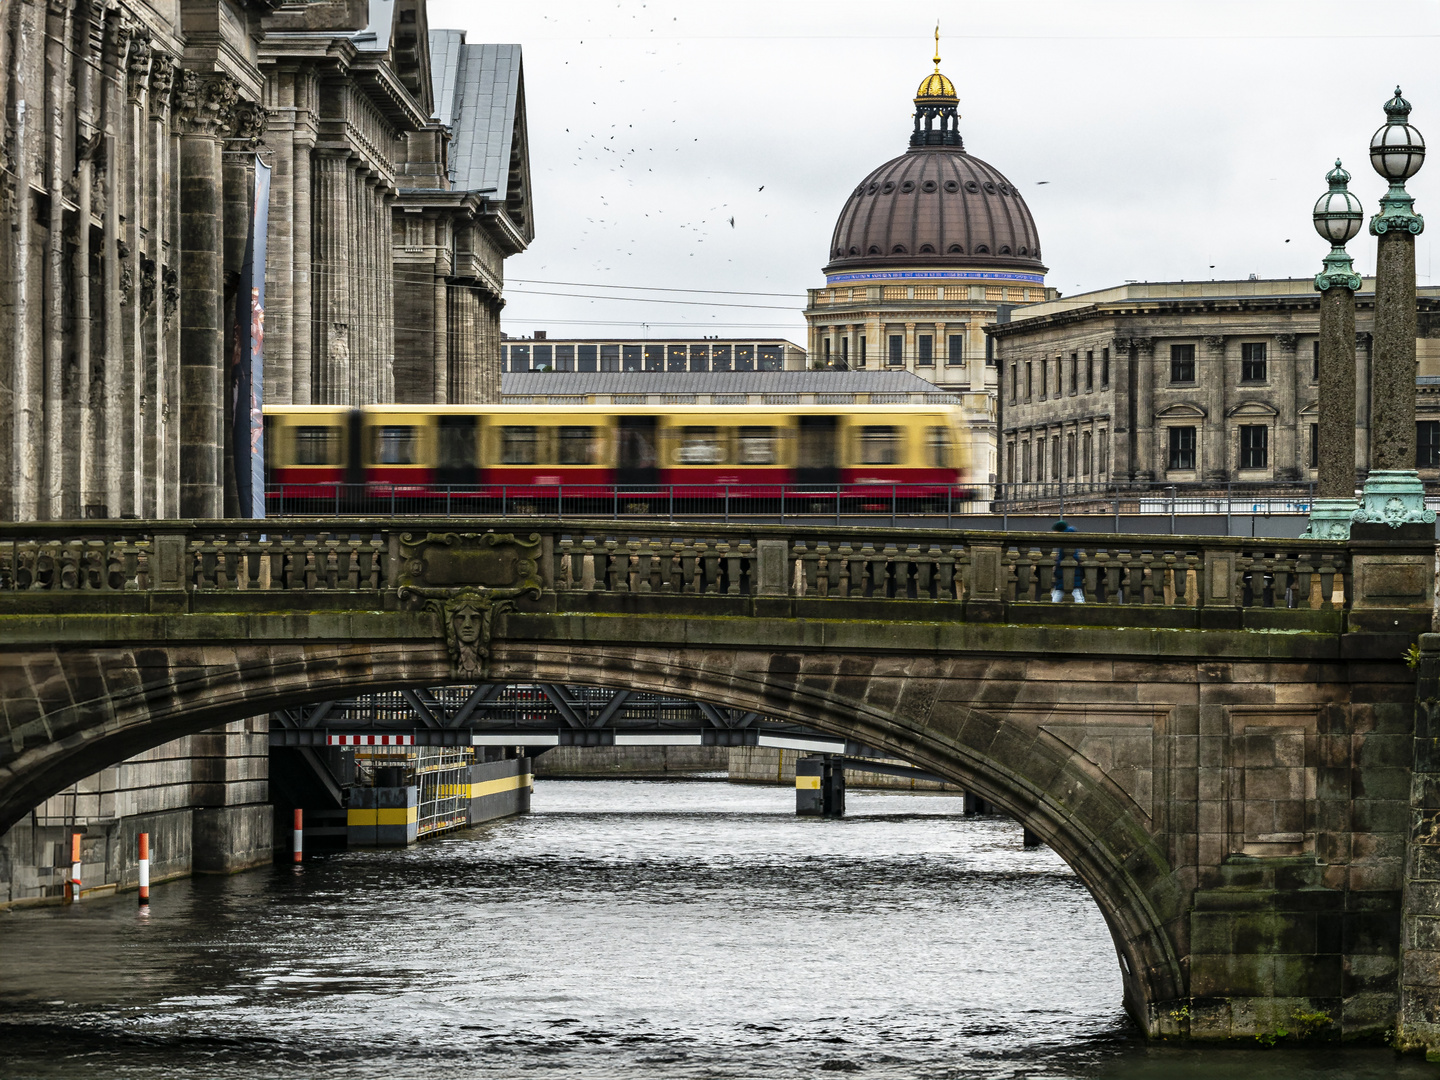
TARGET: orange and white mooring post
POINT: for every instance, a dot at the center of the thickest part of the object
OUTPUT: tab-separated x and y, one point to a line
144	869
74	881
299	835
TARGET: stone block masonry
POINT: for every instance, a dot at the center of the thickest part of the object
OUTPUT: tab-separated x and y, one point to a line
202	798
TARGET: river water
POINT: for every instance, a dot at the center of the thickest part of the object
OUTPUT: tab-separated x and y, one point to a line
624	929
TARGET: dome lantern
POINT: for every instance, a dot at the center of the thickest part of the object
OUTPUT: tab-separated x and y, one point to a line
936	101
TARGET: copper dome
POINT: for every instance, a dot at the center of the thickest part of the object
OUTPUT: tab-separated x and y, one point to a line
935	206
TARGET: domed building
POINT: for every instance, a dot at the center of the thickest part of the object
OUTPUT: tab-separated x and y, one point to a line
927	250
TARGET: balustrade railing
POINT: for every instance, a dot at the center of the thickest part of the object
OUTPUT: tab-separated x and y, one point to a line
363	556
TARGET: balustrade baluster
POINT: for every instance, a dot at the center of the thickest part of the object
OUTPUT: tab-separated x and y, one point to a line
711	552
659	578
565	575
822	568
744	579
587	566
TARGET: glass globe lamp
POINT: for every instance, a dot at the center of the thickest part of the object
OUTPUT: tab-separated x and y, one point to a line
1397	150
1338	213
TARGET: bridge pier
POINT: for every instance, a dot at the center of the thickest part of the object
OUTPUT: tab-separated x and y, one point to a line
820	786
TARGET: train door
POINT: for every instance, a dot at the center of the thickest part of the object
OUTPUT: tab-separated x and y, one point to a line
818	461
354	445
637	456
457	464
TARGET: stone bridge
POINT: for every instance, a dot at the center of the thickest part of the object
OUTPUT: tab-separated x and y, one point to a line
1220	739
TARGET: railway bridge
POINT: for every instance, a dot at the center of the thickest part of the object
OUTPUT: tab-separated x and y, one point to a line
1221	736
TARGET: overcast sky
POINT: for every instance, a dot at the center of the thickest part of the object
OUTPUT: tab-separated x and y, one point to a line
1152	140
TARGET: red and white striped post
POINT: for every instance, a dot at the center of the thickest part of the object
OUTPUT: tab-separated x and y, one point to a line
298	843
74	882
144	869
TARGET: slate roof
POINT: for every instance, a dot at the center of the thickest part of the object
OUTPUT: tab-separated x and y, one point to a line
477	93
715	382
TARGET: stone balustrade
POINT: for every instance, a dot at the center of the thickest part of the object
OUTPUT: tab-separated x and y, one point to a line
980	576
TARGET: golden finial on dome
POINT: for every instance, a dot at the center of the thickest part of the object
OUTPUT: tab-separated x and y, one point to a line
937	46
936	87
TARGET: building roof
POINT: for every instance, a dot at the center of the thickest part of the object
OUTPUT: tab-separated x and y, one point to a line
715	382
477	95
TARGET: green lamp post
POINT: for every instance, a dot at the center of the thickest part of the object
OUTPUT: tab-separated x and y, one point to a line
1393	495
1337	217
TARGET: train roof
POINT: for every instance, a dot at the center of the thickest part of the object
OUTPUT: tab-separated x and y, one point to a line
616	410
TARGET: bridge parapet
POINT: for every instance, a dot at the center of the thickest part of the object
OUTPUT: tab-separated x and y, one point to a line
1045	577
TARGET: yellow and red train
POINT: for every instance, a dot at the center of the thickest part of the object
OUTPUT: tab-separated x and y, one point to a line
420	450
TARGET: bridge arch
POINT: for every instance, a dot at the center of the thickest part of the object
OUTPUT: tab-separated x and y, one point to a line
101	705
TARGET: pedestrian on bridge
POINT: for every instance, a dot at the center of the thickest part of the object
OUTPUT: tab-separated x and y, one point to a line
1057	580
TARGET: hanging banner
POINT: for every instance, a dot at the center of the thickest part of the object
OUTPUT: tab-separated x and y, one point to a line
249	381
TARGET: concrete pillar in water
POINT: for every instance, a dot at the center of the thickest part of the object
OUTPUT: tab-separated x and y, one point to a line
1337	218
1393	494
204	107
820	786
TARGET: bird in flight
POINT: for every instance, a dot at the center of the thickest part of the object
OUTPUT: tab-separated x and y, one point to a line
732	223
1042	182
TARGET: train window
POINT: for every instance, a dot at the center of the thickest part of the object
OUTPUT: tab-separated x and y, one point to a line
317	446
879	445
518	445
700	446
395	445
757	446
457	444
577	446
937	441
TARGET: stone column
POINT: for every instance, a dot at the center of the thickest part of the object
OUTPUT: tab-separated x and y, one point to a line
1337	218
239	202
204	106
1143	438
108	372
1214	450
155	500
302	370
331	285
1393	493
280	246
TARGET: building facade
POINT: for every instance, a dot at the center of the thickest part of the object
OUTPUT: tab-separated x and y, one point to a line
1184	382
129	139
543	353
928	250
661	388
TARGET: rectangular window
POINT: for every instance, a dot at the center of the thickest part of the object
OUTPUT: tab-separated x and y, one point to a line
769	358
1025	461
1089	371
1029	380
1087	457
518	445
1254	446
1427	444
744	357
925	350
317	446
862	350
699	357
720	358
631	354
1182	448
654	357
1055	457
1044	378
757	446
677	358
1252	362
394	445
1010	452
937	444
519	357
845	351
826	351
1182	363
956	355
1315	363
609	358
544	360
897	349
879	445
1074	374
1039	458
1104	452
1315	446
577	446
585	357
1104	368
1070	455
700	446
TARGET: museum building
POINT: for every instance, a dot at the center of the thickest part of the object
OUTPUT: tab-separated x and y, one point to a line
927	249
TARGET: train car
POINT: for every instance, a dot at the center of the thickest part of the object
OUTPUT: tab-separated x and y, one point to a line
688	451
